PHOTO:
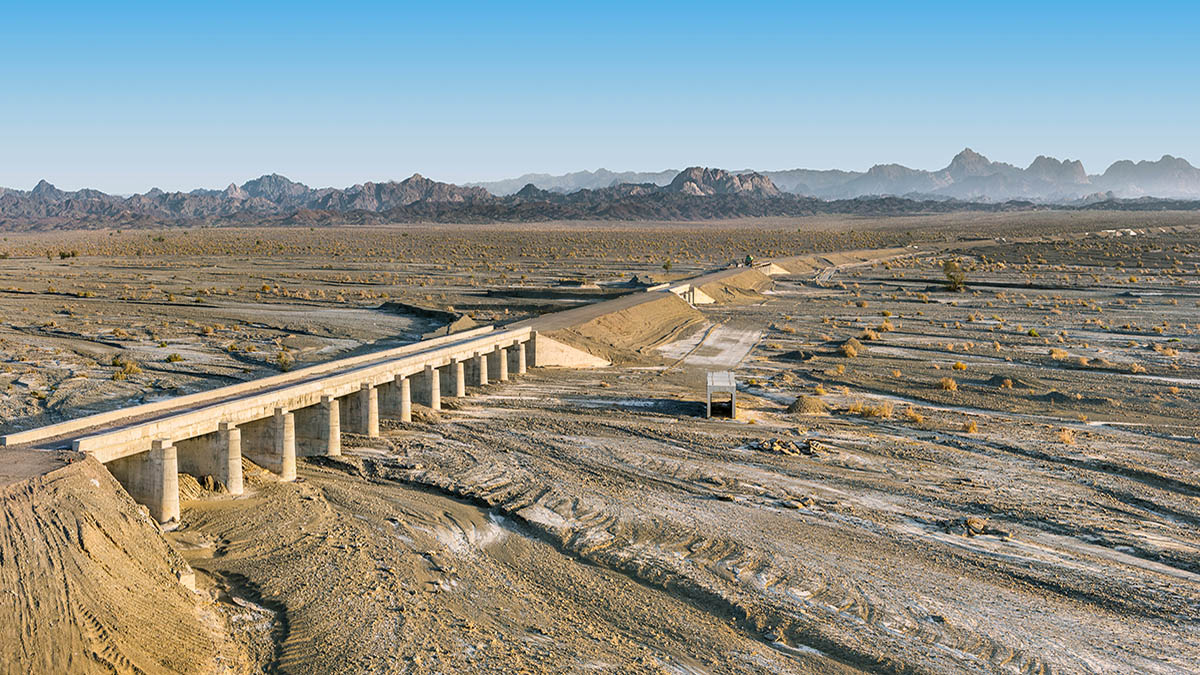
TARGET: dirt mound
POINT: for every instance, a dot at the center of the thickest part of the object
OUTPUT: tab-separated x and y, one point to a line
629	334
95	588
807	405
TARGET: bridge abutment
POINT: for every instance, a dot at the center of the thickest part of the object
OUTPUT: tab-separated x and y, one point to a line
152	479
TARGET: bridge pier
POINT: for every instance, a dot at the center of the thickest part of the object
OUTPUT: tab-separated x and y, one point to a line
481	369
319	429
460	378
361	414
500	363
218	454
405	386
152	479
519	348
432	384
271	443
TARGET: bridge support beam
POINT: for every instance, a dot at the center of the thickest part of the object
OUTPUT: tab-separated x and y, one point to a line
152	479
271	443
319	429
218	454
361	414
519	348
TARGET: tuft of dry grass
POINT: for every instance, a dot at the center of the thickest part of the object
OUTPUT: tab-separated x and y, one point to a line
1066	436
947	384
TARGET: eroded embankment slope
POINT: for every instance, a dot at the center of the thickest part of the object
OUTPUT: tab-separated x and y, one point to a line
628	332
90	586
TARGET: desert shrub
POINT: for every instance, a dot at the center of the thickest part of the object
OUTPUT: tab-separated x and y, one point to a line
959	365
1066	436
970	426
174	358
851	348
1058	354
948	384
956	276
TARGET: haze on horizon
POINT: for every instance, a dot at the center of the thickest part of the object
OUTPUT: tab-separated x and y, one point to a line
140	96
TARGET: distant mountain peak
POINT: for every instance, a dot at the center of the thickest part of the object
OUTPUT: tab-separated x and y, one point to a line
705	181
45	188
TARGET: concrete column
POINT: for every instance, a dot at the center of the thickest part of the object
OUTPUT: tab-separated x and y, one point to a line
460	378
481	365
521	365
360	415
218	454
271	443
500	356
405	398
152	479
319	429
369	410
434	381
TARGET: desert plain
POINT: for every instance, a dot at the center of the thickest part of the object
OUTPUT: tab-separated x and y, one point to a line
1002	477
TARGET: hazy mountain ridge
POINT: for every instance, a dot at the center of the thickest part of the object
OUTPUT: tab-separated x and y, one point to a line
969	175
969	182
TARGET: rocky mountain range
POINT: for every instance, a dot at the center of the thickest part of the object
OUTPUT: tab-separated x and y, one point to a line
969	182
968	176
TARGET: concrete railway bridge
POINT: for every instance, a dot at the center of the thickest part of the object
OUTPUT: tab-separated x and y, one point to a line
302	413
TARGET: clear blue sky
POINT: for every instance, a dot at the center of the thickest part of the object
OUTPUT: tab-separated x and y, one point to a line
124	96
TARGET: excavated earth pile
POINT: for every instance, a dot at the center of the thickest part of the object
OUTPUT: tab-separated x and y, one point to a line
90	586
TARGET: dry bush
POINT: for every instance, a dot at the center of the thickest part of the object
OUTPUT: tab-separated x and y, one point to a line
883	409
1066	436
851	348
970	427
959	365
948	384
1058	354
912	415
